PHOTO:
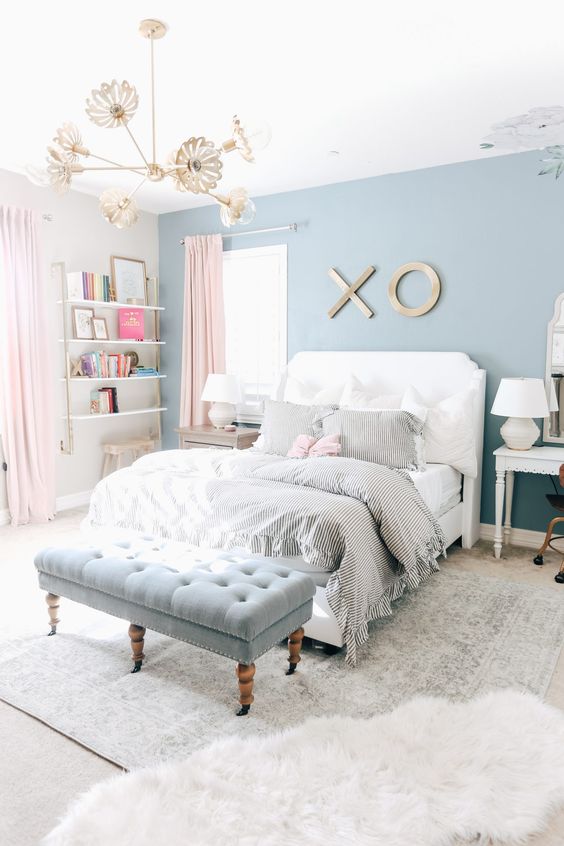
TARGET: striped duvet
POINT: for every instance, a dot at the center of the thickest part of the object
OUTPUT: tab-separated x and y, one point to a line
365	522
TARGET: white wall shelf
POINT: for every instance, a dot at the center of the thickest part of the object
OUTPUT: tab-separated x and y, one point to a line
77	402
86	379
129	341
116	414
104	304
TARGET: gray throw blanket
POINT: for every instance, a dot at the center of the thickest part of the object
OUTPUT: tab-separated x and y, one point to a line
365	522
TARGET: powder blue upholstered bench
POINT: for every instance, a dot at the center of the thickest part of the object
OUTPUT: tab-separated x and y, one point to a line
237	608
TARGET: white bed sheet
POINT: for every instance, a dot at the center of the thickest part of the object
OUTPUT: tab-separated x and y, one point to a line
440	485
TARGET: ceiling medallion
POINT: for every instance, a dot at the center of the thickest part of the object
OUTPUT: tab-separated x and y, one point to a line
196	166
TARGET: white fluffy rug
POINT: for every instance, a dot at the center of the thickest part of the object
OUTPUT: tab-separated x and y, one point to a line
425	774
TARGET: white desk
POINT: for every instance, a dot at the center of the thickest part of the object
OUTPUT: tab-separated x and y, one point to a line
544	460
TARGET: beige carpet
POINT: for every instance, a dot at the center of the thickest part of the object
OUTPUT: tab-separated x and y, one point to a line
46	769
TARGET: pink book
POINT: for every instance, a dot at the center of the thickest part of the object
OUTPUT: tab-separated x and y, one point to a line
132	323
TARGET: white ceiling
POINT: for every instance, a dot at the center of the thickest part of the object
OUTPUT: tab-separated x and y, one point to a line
392	86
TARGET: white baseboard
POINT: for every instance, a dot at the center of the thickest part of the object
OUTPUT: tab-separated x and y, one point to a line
519	537
5	518
75	500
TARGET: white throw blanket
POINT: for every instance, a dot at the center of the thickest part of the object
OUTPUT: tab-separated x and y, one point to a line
424	774
366	522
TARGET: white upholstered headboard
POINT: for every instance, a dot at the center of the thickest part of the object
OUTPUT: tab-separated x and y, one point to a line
436	375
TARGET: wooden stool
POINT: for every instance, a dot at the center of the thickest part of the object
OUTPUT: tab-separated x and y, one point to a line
113	453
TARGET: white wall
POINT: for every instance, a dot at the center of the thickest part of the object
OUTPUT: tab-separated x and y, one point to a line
79	236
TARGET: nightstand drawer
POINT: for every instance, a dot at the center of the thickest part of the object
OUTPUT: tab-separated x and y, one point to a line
186	444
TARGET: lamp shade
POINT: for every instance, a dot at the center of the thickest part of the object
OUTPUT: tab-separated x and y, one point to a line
221	388
521	398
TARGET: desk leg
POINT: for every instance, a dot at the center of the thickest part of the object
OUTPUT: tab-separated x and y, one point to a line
499	495
509	478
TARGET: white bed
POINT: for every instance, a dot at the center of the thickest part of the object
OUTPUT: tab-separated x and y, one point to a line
454	499
214	499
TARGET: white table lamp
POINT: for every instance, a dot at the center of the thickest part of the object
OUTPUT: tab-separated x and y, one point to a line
223	392
520	400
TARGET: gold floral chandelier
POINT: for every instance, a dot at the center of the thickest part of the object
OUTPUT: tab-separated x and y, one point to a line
196	166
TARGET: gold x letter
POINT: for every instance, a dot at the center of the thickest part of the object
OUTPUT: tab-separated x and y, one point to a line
350	291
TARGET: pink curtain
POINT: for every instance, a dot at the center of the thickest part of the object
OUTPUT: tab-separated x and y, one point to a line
203	342
26	382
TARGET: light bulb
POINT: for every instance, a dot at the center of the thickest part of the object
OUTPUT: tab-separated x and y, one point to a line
37	175
248	212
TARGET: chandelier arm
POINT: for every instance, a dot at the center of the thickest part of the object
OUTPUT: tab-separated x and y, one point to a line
135	190
130	168
111	162
136	144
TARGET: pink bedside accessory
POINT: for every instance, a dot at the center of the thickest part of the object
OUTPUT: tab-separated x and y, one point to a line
307	447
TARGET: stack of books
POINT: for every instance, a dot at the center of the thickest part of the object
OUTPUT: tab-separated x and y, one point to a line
88	286
144	371
105	365
104	401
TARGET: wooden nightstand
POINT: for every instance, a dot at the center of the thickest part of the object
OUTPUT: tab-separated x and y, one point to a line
202	437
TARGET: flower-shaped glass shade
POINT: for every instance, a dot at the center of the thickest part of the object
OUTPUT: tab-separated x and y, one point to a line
118	208
239	208
59	169
113	104
202	166
69	139
248	137
38	175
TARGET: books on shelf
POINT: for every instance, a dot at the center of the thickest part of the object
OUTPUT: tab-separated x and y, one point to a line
82	285
104	401
101	365
144	371
132	323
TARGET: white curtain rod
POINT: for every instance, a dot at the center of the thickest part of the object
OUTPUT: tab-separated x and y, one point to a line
292	226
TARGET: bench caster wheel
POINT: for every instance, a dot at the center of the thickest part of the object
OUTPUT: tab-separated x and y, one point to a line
243	710
559	577
538	560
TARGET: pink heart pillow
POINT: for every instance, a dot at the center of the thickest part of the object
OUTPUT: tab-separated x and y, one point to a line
305	446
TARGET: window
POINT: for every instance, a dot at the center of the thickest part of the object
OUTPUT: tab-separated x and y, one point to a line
255	296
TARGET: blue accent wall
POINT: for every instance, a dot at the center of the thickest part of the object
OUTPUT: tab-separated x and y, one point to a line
494	231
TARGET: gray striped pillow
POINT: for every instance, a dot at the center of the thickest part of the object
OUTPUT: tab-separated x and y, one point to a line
390	437
284	421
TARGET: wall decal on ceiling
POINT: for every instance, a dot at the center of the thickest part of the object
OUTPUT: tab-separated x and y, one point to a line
541	128
398	276
350	291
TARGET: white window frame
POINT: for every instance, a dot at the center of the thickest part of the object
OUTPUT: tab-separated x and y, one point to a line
248	414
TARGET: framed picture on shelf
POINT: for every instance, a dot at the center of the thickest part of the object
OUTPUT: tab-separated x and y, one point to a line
82	322
100	329
129	280
74	286
152	288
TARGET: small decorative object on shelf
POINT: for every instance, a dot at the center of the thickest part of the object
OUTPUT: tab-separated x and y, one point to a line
129	280
82	323
132	323
100	328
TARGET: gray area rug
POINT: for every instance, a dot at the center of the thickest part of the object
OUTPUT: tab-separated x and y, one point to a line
460	634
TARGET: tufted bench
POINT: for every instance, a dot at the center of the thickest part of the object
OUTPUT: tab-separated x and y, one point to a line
234	606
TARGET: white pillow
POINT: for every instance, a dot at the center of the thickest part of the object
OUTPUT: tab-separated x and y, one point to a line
357	395
448	430
300	394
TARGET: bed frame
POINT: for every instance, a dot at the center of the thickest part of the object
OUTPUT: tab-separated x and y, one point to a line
436	375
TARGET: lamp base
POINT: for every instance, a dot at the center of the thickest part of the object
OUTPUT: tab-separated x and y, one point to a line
221	414
519	432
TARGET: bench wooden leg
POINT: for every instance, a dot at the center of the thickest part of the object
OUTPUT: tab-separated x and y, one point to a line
245	675
294	647
53	602
137	634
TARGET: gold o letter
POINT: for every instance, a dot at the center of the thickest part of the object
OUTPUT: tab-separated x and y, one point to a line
435	289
